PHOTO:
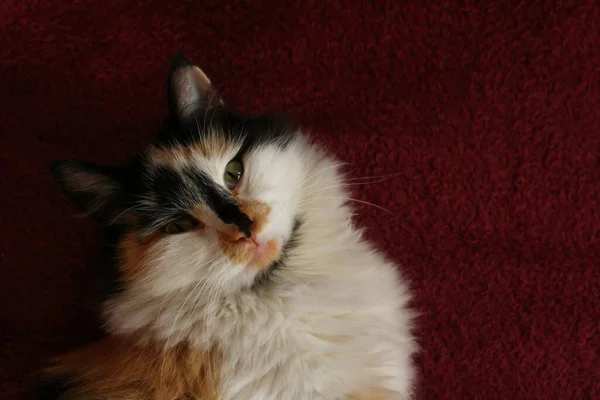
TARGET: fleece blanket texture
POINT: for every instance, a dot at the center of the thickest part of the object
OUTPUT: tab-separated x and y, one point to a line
488	112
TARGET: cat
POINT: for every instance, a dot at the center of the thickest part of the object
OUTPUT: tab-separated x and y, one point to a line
239	272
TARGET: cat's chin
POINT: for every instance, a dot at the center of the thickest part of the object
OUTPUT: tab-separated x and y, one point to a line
271	253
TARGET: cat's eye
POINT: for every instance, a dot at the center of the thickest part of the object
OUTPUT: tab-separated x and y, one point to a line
233	173
180	225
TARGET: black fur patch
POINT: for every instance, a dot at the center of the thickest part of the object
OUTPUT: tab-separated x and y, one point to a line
254	130
177	192
109	281
50	388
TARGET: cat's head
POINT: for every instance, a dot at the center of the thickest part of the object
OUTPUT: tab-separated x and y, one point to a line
213	198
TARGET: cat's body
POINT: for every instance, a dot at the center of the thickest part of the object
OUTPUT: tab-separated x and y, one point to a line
272	295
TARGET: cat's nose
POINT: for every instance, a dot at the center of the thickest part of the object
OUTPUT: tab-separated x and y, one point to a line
235	235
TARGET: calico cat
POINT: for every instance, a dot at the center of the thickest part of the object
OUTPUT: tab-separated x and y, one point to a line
240	273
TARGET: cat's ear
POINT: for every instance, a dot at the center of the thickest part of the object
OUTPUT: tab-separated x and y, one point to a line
189	89
95	189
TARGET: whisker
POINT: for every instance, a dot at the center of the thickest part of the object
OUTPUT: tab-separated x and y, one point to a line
208	283
378	177
348	199
170	332
359	180
197	124
382	178
341	185
213	95
314	209
318	172
121	214
168	295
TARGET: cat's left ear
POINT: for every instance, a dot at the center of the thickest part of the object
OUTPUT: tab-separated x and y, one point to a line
95	189
189	89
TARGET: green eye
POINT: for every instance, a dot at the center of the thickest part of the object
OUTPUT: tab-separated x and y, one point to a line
180	225
233	173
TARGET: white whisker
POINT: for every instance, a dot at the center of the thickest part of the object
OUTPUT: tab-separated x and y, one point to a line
318	172
357	181
137	206
378	177
346	199
169	295
171	331
342	185
208	283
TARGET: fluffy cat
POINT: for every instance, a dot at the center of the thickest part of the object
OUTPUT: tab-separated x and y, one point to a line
238	271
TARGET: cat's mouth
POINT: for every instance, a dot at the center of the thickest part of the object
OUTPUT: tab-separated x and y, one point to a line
263	255
253	252
266	272
264	252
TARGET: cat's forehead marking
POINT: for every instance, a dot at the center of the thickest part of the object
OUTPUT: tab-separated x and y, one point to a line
177	156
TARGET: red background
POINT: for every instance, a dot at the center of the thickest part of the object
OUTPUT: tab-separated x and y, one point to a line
490	111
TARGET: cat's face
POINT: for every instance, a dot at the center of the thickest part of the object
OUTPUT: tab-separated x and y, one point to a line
212	202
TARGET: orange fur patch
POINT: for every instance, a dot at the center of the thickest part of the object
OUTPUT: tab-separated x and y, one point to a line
269	253
135	253
170	156
209	218
120	368
179	155
238	252
258	212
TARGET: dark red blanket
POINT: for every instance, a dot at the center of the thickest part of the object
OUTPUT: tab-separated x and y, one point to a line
490	110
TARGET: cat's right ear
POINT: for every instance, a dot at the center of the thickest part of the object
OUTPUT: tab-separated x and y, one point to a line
189	89
96	190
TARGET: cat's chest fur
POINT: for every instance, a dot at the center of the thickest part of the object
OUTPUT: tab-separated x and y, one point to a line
311	333
313	341
311	353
